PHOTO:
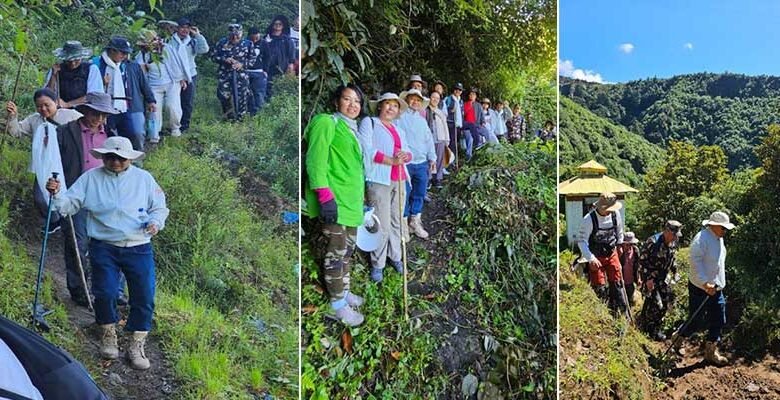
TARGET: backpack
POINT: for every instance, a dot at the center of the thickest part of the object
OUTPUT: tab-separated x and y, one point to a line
595	222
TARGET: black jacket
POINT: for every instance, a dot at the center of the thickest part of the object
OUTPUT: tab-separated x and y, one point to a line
72	150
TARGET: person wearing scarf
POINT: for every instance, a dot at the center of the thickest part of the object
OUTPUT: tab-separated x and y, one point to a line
334	192
188	43
131	95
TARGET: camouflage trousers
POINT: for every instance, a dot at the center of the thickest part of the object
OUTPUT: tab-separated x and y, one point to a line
655	307
341	245
225	94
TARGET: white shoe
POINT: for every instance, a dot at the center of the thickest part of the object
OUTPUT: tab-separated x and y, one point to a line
444	171
415	225
154	140
176	133
354	300
348	316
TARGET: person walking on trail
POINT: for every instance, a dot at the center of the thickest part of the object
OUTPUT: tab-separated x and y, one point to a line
47	112
334	192
76	139
166	79
420	143
706	280
233	55
628	253
258	78
601	231
385	154
126	207
73	76
126	83
454	106
658	270
187	43
279	53
437	122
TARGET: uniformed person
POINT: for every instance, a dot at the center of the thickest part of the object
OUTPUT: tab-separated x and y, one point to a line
657	269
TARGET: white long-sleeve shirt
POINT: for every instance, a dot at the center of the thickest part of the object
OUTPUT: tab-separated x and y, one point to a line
586	228
708	260
119	204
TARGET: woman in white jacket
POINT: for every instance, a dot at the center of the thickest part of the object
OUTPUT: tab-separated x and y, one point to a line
385	155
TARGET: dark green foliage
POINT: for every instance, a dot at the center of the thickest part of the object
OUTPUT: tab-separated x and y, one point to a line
505	249
585	136
728	110
682	188
504	48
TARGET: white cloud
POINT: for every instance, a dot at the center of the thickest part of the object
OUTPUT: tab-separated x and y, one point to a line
688	46
566	68
627	48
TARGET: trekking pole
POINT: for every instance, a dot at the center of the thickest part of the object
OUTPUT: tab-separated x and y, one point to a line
38	312
403	248
78	262
677	333
628	305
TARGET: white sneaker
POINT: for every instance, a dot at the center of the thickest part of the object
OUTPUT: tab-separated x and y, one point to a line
348	316
176	133
354	300
154	140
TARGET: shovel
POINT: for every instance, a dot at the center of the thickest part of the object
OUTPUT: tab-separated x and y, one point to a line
38	312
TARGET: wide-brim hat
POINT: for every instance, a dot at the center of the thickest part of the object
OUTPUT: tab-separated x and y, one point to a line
98	101
373	105
119	43
719	218
630	237
146	37
485	100
417	78
118	145
367	240
72	50
607	202
168	24
674	227
414	92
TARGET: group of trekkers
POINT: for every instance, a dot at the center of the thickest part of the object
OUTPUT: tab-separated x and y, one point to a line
616	265
90	126
384	163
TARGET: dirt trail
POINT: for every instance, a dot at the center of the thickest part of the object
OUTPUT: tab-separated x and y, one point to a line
115	377
692	379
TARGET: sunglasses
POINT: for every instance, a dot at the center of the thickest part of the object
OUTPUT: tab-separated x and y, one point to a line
113	157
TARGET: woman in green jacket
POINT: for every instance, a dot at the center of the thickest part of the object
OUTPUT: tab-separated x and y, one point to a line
334	192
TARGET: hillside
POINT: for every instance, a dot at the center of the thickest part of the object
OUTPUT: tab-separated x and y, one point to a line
729	110
585	136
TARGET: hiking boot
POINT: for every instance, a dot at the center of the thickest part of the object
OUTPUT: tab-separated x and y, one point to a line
348	316
398	266
135	353
415	224
405	230
677	348
109	349
354	300
377	274
712	356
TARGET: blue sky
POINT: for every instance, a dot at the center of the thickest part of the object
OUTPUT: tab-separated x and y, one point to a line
619	41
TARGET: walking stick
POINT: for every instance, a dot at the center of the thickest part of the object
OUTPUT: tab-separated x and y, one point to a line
679	330
78	261
38	312
403	248
13	95
628	305
235	95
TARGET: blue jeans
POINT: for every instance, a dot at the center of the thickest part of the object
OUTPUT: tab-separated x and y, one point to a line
137	263
257	84
713	313
130	125
418	176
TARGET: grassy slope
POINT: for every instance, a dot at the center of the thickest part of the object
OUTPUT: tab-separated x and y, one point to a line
585	136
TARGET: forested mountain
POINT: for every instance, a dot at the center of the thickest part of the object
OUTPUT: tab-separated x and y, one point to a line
729	110
586	136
